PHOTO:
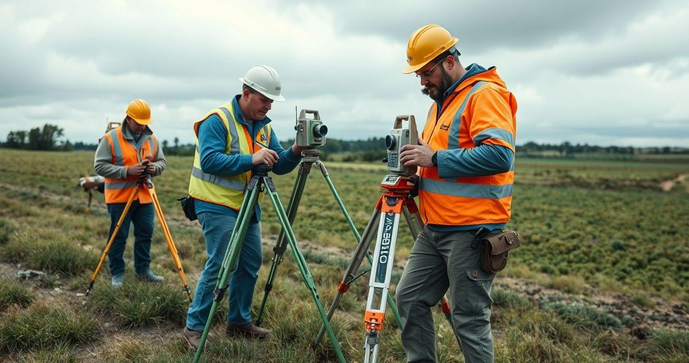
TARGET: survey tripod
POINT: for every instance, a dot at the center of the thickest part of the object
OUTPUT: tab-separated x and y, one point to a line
311	157
146	183
394	202
260	181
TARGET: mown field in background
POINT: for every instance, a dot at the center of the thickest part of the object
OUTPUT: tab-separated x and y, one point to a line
598	224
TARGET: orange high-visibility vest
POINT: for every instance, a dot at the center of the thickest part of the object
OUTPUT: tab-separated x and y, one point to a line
479	111
125	153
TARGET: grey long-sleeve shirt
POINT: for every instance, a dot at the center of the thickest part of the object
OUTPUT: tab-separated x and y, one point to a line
103	160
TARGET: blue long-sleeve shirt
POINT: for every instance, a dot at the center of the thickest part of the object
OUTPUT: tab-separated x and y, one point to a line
482	160
212	144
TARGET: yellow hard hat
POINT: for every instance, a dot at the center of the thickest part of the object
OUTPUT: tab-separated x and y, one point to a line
140	111
425	44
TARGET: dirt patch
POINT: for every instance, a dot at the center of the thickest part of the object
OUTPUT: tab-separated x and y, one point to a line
667	185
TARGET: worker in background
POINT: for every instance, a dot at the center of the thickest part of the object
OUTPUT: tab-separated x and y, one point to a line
466	172
125	155
231	141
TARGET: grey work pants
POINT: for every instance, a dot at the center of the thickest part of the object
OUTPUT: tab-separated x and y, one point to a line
439	261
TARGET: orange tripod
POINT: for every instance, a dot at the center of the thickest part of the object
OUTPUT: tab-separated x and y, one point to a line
148	185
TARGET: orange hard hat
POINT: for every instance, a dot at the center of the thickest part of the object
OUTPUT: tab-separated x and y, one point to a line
425	44
140	112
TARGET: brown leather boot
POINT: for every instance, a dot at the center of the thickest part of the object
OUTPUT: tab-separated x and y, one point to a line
193	338
247	330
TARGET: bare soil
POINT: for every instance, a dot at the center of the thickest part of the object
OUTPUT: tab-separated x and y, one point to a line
667	185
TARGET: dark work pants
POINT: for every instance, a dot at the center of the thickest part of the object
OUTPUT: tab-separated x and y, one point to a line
141	215
439	263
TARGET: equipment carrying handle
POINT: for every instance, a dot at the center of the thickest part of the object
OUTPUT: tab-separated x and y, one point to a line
413	132
316	115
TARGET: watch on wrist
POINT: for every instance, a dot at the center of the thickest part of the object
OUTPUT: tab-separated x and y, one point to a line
434	159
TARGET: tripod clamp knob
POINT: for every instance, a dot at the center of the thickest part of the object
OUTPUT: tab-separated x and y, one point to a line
262	170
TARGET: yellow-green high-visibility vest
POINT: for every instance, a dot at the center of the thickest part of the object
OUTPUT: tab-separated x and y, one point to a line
227	190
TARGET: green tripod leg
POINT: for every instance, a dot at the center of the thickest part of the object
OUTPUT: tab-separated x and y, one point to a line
230	259
301	263
281	245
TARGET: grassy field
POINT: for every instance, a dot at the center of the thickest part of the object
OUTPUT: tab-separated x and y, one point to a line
603	274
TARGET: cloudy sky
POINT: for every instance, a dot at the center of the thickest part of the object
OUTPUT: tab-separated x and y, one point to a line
597	72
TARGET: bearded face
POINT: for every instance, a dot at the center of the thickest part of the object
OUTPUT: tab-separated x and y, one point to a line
435	89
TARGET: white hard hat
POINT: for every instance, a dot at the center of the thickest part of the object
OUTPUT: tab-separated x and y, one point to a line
265	80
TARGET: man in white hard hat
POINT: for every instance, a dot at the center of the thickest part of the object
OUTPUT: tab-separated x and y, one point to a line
230	141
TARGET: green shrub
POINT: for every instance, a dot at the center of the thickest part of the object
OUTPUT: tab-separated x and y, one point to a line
585	317
643	301
508	300
12	293
42	327
568	284
139	304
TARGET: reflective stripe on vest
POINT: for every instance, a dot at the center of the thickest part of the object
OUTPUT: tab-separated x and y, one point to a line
453	141
120	185
218	180
468	190
116	146
232	126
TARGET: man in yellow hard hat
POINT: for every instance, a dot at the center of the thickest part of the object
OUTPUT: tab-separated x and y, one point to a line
123	156
231	140
466	171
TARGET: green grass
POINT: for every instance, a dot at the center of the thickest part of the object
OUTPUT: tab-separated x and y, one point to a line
138	304
599	224
49	251
61	353
7	228
667	346
44	327
13	293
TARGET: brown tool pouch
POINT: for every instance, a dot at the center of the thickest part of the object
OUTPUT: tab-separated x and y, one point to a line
496	249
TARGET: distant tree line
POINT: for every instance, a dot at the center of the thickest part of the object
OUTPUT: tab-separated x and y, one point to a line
566	149
46	138
179	150
370	150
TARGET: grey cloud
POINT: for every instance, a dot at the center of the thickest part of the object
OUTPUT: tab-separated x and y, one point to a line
343	58
486	25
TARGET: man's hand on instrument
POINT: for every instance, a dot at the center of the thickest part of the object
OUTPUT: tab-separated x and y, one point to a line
417	155
296	150
136	170
264	156
150	169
